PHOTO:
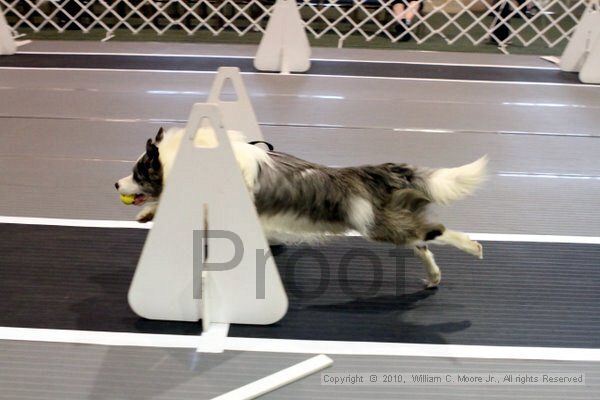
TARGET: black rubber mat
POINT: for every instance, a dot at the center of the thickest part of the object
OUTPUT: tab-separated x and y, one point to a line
527	294
320	67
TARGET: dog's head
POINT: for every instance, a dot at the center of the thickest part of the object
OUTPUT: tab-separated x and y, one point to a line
146	181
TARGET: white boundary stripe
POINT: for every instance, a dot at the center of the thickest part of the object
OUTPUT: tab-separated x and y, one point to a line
411	349
98	337
516	237
83	223
450	80
508	237
581	85
95	53
161	71
492	237
458	64
441	64
301	346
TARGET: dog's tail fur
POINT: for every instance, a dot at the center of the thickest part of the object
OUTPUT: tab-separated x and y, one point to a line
448	184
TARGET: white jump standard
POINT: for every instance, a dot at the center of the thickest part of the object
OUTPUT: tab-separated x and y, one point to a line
163	285
284	46
173	279
7	42
582	54
237	114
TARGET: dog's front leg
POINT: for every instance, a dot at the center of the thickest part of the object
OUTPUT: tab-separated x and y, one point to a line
147	213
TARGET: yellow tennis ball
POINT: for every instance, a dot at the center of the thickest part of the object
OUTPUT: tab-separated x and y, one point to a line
128	199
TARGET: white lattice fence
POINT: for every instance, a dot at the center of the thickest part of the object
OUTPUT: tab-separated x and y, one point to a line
476	21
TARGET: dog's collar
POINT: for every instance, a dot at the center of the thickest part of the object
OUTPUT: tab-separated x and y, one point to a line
269	145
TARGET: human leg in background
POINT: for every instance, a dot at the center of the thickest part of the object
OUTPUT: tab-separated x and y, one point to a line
528	7
501	29
405	12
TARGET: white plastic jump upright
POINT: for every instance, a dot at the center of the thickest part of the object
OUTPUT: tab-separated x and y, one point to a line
179	261
238	113
582	54
590	71
7	42
284	46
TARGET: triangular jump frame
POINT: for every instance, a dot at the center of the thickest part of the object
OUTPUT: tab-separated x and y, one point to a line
237	114
197	208
284	46
590	71
8	46
582	54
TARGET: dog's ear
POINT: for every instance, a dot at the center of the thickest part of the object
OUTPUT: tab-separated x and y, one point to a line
159	135
150	147
152	152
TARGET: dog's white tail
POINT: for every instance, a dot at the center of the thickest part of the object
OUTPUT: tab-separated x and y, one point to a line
449	184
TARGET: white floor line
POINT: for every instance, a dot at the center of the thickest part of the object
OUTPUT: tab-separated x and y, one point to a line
160	71
411	349
97	53
98	337
504	237
492	237
301	346
458	64
581	85
448	80
82	223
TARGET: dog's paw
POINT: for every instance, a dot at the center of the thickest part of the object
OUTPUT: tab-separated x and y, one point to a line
479	252
433	279
146	215
430	285
475	248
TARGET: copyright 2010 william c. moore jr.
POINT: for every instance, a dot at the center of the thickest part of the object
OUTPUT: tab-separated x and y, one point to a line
452	378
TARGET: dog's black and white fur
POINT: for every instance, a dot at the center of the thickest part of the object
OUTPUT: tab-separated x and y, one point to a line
301	201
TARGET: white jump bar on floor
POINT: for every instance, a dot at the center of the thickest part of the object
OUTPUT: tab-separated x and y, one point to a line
492	237
278	379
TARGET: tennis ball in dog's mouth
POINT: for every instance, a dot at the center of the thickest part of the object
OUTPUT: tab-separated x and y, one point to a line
128	199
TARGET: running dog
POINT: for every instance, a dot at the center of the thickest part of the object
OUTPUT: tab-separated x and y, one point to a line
300	201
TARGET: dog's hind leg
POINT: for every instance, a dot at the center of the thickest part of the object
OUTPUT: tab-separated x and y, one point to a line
461	241
434	275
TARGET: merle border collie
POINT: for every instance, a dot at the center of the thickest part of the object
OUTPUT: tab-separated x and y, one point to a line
300	201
